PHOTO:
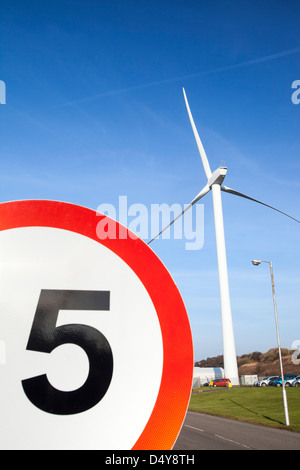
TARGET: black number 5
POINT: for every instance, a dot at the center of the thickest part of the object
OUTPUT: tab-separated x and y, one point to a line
46	336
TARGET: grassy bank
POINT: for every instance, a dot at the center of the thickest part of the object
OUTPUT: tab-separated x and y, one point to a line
255	405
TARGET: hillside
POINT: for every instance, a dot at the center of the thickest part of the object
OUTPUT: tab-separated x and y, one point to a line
257	363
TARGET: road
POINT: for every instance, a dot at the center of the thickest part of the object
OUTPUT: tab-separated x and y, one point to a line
205	432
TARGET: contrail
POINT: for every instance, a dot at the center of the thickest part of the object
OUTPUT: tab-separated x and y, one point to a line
246	63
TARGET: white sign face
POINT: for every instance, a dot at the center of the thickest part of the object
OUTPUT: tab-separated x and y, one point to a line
86	350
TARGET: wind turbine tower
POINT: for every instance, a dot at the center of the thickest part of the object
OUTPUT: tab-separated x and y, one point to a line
214	182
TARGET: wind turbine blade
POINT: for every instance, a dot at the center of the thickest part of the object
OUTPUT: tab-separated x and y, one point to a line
198	140
202	193
236	193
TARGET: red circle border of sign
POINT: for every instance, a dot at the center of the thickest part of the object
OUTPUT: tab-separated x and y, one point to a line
164	424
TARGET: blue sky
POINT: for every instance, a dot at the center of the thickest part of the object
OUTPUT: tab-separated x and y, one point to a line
94	110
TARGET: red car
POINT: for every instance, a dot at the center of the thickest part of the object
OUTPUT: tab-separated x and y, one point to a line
221	382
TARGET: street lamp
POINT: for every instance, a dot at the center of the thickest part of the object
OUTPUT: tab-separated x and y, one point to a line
256	262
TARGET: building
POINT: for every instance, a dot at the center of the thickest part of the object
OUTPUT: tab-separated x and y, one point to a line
202	375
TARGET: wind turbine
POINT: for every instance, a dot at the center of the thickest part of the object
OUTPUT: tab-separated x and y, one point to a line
215	184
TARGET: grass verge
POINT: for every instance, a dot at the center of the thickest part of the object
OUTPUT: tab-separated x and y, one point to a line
255	405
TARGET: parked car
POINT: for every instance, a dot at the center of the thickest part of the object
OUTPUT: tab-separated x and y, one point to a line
296	382
288	382
288	379
221	382
272	380
265	381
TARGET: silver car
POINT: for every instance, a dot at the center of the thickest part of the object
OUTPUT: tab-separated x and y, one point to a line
265	381
296	381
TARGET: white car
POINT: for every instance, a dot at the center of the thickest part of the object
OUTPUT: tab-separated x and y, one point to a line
296	382
264	382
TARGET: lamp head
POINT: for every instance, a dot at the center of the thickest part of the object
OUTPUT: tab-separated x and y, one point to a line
256	262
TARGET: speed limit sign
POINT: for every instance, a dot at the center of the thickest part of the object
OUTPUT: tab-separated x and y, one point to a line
95	343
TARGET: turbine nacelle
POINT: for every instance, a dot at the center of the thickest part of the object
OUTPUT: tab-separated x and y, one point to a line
217	176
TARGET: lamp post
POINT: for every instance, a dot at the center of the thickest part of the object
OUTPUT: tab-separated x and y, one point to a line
285	404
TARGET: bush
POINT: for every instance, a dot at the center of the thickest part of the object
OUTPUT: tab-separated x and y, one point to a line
255	356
